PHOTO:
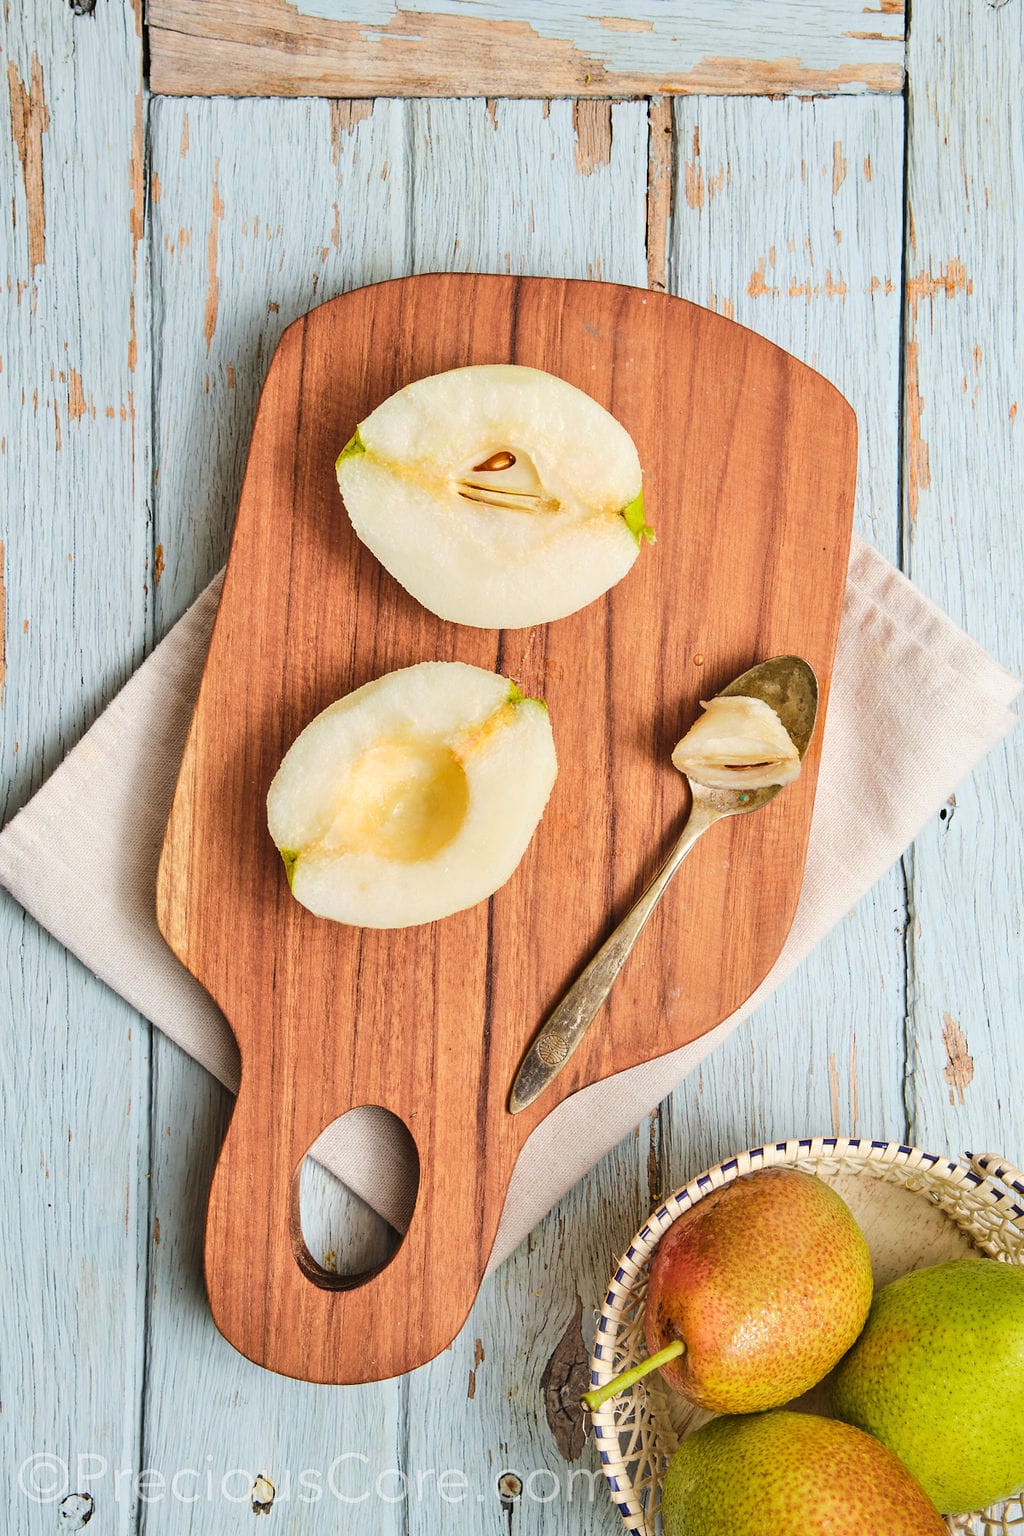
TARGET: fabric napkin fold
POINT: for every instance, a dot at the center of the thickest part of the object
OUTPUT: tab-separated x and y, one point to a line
915	704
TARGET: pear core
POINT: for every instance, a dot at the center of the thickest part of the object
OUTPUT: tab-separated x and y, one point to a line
737	743
412	798
403	800
497	495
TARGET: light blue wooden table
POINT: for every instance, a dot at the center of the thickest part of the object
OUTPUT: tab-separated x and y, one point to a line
153	250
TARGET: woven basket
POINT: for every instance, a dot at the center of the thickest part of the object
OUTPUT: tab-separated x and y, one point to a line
915	1209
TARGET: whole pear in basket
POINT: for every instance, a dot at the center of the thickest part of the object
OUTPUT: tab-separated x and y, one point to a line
938	1376
755	1292
791	1474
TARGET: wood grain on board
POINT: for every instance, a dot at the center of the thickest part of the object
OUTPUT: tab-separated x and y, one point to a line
522	47
431	1022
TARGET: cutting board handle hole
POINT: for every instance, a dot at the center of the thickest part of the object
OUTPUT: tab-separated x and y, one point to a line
340	1241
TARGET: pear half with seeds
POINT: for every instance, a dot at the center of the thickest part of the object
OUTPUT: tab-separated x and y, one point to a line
497	495
413	797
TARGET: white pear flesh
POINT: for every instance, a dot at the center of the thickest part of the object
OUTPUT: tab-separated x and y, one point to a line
414	797
477	540
737	743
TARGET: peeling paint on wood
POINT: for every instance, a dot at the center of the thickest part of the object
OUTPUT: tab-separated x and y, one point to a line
133	340
263	1495
530	48
212	280
137	215
478	1356
854	1098
30	119
634	24
345	115
833	1092
959	1069
566	1377
659	189
592	125
77	406
700	184
919	477
951	281
75	1510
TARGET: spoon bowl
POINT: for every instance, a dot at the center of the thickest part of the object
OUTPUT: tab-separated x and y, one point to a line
788	685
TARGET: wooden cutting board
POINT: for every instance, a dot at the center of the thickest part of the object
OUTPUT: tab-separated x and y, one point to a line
749	467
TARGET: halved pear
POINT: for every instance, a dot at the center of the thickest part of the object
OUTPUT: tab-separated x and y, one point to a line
413	797
497	495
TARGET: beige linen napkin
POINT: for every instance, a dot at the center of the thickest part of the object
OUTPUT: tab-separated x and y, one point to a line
914	705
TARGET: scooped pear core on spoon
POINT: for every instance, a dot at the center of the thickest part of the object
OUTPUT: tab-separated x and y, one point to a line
497	495
737	743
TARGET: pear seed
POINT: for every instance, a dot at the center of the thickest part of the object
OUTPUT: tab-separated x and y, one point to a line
503	459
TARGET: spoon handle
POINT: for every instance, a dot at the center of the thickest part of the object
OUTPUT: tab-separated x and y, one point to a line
569	1021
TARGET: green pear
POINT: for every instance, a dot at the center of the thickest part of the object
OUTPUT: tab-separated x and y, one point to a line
791	1474
938	1376
757	1290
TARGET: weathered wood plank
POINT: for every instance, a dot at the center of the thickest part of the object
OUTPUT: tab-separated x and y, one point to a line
74	419
541	189
242	246
530	48
963	472
510	1382
787	217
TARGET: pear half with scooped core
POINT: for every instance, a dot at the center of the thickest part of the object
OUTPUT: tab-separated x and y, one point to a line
497	495
413	797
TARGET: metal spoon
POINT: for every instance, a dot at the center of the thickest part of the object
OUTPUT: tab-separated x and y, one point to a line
790	687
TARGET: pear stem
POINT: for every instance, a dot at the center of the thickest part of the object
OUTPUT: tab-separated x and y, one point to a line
619	1384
